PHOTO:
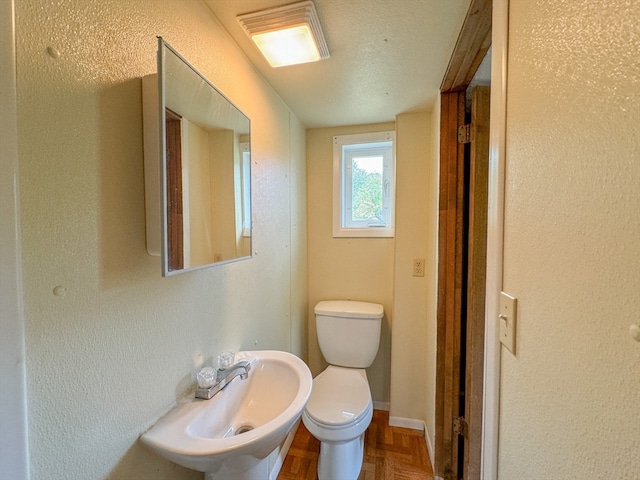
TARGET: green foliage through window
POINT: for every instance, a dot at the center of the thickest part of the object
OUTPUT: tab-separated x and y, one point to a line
367	192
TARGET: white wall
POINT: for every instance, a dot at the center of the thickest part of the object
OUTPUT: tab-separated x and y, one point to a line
570	395
412	341
430	343
110	344
298	238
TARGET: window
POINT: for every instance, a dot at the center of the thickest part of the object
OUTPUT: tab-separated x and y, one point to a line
364	185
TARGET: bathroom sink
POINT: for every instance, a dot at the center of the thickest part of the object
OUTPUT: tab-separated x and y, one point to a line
229	435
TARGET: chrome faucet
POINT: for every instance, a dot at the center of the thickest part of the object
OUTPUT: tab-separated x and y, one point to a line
223	378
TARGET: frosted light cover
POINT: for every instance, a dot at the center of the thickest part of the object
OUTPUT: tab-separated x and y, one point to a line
288	47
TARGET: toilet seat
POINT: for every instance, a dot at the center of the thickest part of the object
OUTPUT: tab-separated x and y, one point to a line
339	397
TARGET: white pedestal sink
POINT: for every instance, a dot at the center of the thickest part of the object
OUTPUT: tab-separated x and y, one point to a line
231	435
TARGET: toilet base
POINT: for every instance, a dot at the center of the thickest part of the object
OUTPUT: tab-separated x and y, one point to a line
341	460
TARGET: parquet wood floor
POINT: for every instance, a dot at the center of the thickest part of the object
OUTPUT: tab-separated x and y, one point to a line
390	453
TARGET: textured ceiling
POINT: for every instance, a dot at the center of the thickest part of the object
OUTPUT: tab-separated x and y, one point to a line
387	57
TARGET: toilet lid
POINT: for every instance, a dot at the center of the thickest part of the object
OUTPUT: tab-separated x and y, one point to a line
339	396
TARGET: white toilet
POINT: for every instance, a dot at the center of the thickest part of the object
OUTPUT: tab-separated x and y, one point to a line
340	407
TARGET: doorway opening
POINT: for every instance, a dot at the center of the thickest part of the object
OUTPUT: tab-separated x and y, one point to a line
462	247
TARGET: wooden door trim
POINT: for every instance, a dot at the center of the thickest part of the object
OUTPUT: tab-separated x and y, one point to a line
476	279
471	47
450	280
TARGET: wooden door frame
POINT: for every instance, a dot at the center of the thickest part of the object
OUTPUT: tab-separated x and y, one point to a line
476	280
472	45
450	254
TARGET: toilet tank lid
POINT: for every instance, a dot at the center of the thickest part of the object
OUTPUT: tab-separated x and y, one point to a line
349	309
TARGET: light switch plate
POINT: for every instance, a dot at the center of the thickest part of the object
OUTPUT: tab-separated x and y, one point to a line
507	320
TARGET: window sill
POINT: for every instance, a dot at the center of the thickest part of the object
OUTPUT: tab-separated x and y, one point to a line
363	233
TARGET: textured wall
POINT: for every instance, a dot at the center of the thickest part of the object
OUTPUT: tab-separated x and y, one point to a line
110	344
570	396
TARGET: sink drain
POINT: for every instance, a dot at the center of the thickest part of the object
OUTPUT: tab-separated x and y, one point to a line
243	429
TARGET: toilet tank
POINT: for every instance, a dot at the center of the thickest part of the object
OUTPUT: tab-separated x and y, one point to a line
349	332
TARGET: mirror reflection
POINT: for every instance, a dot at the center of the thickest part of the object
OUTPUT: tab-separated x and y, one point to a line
206	170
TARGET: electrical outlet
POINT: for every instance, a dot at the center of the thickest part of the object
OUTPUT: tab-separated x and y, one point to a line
507	318
418	267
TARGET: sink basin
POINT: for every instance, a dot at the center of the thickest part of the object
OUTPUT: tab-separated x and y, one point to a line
232	434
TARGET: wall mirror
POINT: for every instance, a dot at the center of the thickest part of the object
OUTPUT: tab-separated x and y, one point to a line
205	145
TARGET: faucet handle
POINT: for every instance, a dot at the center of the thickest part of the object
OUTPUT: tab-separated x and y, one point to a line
207	377
225	360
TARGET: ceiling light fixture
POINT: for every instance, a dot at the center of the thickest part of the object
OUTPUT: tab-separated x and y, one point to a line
287	35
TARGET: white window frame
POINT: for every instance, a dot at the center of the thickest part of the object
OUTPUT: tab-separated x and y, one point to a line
341	200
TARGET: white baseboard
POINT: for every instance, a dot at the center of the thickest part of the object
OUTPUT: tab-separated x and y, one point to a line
407	423
381	406
429	446
277	465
